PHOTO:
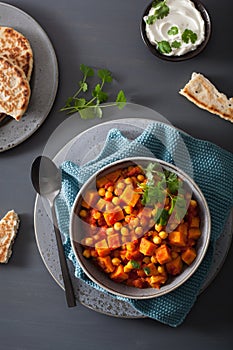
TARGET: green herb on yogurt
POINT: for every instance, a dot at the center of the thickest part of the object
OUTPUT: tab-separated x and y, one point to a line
164	47
161	10
189	35
173	30
176	44
90	107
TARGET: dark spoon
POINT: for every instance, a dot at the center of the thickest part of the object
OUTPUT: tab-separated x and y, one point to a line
46	179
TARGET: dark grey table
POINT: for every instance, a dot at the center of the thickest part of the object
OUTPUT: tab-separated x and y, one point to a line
103	33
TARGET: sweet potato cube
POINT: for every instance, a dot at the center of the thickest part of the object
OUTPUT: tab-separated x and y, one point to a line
177	238
113	176
174	267
106	264
195	222
114	241
189	255
183	228
156	281
101	182
146	247
119	274
163	254
91	197
129	196
102	248
100	204
113	216
194	233
152	270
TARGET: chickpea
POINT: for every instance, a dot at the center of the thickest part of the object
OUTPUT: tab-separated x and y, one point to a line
140	178
101	192
117	226
116	200
124	231
83	213
110	188
108	194
163	234
128	181
138	231
157	240
116	261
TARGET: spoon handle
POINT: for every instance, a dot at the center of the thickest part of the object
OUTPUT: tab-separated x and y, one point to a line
69	291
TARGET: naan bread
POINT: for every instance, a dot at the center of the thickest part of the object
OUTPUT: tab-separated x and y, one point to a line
8	228
14	89
204	94
16	48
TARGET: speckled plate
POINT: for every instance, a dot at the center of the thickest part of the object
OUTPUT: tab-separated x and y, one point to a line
81	149
44	79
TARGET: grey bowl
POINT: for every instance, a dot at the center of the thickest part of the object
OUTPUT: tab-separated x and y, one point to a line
99	277
200	7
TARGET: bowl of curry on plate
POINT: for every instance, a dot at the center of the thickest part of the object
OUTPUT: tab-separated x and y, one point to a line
140	227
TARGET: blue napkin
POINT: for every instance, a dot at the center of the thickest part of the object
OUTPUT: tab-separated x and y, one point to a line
212	169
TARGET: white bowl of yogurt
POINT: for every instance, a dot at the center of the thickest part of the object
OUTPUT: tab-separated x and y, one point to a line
175	30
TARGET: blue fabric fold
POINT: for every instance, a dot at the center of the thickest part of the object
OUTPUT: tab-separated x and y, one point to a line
211	168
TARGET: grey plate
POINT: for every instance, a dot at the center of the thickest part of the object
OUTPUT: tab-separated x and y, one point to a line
80	149
44	79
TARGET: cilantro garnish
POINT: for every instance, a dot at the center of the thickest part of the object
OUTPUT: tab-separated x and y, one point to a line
164	46
189	35
135	264
161	10
176	44
90	107
146	270
173	30
163	219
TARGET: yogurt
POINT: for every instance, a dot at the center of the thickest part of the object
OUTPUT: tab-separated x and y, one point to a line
183	28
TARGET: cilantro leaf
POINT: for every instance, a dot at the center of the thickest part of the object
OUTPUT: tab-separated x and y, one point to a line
164	47
162	11
87	71
151	19
189	35
87	113
172	182
146	270
173	30
135	264
105	75
99	94
176	44
163	219
83	86
121	99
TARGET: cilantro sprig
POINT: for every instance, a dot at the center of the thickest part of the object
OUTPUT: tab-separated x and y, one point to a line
89	107
161	10
159	184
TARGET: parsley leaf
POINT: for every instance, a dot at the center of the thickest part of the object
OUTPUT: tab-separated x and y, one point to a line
173	30
164	47
146	270
189	35
176	44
